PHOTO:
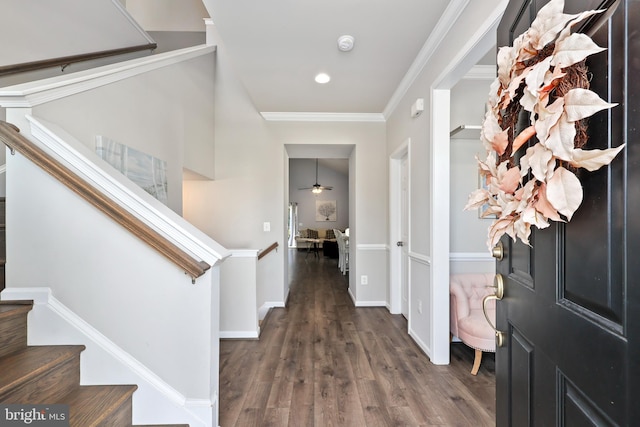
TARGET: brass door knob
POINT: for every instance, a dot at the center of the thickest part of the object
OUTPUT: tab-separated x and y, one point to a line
498	282
498	251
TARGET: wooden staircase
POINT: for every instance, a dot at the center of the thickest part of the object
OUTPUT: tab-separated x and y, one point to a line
51	374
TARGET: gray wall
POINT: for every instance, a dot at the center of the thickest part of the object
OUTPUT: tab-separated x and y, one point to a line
302	175
468	232
168	15
466	42
135	112
46	32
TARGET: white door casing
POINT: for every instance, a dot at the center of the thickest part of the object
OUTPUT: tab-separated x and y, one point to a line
399	220
404	235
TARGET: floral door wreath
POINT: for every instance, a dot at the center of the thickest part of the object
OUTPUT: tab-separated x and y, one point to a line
544	73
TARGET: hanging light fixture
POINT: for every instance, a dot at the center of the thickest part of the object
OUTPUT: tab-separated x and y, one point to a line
317	188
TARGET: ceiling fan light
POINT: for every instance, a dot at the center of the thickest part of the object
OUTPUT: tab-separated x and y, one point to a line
316	190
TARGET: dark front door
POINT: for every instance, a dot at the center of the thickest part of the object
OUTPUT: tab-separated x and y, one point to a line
571	308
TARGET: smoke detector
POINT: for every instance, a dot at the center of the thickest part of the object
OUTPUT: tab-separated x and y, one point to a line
345	43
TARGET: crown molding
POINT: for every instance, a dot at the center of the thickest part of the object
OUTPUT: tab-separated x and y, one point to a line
481	72
322	117
449	17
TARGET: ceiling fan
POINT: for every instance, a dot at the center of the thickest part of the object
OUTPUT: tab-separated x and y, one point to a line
317	188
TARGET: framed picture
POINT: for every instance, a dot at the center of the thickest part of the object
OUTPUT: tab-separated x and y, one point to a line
326	210
148	172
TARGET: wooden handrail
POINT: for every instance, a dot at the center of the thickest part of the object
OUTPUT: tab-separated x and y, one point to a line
271	247
63	61
10	136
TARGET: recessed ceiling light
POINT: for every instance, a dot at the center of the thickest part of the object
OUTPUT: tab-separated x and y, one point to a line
345	43
323	78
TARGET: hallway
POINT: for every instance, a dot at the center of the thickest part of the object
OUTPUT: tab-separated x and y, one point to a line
322	362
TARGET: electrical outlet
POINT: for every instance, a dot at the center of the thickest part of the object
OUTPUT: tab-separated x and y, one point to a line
364	280
420	306
266	226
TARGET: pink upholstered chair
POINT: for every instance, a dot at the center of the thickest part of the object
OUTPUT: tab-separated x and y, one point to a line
467	319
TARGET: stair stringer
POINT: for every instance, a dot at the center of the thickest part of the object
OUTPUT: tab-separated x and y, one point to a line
102	362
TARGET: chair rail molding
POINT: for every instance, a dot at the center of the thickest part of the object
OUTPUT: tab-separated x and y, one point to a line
322	117
470	256
372	247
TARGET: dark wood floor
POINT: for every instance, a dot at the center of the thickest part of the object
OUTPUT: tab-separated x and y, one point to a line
323	362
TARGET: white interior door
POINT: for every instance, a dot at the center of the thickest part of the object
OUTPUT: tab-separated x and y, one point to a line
404	235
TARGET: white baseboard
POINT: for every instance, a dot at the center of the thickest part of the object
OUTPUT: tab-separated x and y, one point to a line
353	299
367	303
424	347
103	362
268	305
247	335
371	304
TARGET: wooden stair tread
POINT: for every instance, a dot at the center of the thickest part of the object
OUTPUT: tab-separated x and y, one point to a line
31	362
13	326
17	302
51	374
98	405
7	310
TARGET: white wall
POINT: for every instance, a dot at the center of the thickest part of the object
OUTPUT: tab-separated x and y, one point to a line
249	183
238	294
168	15
468	232
101	272
429	257
268	272
302	175
51	323
368	196
166	113
62	28
111	279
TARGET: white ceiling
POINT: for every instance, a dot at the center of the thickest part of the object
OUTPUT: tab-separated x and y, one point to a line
278	46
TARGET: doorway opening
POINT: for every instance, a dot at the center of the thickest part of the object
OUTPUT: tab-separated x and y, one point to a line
318	212
317	209
399	208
